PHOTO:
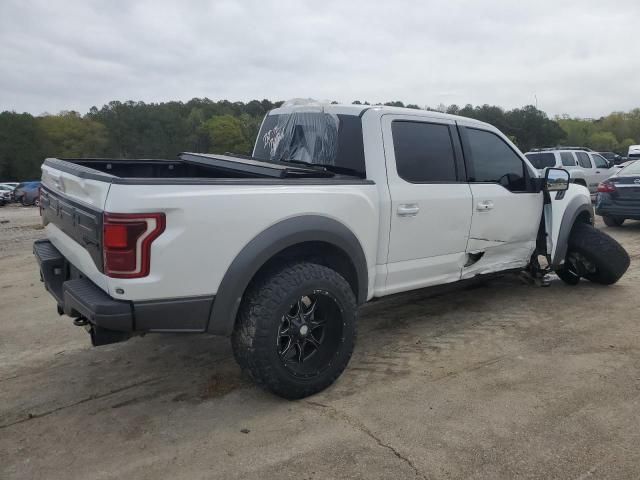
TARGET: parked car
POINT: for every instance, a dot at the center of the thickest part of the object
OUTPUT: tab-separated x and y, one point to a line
622	165
619	196
6	190
27	193
634	152
12	185
337	205
6	193
585	167
611	157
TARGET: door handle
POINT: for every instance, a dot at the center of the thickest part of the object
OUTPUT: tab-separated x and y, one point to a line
484	205
408	210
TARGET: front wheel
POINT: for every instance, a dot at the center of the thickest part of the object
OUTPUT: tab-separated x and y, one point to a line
296	329
612	221
594	255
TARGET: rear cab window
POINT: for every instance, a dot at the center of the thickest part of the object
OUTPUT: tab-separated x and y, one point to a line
423	151
317	138
542	160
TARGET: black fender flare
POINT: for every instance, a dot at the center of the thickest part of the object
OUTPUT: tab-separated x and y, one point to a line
574	209
269	243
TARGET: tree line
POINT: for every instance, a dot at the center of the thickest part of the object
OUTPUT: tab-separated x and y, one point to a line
163	130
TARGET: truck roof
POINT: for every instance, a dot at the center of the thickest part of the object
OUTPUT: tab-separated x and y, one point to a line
359	110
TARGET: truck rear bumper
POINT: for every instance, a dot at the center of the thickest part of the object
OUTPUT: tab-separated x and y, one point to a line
79	297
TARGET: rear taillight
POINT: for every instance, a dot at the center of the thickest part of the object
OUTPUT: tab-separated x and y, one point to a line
606	187
126	243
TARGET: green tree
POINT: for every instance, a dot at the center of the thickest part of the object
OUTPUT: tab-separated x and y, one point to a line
21	146
227	134
623	146
70	135
602	141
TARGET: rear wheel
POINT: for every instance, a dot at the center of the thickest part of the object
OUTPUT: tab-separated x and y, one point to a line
612	221
296	329
594	255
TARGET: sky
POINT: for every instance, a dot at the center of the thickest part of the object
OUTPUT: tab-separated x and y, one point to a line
571	57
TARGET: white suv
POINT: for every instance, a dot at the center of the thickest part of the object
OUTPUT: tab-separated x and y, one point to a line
586	167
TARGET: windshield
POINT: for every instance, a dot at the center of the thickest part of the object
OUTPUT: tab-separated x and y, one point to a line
317	138
541	160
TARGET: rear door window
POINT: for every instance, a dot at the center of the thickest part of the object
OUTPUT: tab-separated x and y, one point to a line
599	161
583	160
542	160
567	159
424	152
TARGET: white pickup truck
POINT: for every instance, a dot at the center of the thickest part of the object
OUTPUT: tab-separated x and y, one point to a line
337	205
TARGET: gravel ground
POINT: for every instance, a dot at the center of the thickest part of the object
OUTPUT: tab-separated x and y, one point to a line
19	227
506	380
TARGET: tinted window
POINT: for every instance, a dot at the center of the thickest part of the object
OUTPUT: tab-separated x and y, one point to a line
542	160
599	162
424	152
494	161
315	138
583	160
567	159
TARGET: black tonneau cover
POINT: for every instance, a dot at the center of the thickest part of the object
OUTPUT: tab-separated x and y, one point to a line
249	165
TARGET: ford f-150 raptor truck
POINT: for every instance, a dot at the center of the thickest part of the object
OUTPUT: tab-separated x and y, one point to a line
336	205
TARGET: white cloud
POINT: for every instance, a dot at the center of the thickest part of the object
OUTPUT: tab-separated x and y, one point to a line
577	57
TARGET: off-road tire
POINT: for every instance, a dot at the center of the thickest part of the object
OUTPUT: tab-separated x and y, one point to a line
612	221
609	257
254	338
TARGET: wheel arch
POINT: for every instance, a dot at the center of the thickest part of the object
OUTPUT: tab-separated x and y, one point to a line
313	237
576	212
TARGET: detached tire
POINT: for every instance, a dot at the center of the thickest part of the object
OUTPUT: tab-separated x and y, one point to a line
607	259
612	221
296	329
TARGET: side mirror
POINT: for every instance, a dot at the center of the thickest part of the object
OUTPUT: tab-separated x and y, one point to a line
556	180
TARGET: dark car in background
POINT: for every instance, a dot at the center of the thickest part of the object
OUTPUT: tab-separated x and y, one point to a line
618	197
612	157
27	193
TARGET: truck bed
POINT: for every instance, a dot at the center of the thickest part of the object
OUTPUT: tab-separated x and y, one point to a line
189	166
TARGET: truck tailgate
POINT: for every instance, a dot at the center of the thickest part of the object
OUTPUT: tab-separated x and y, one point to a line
80	222
72	208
